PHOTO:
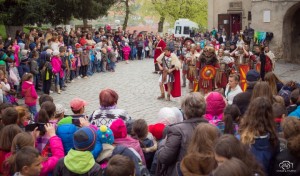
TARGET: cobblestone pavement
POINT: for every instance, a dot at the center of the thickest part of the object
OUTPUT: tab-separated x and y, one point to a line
137	88
135	83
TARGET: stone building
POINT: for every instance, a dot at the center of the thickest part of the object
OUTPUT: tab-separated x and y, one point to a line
281	17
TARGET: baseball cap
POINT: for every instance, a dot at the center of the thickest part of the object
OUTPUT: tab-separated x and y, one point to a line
77	103
60	108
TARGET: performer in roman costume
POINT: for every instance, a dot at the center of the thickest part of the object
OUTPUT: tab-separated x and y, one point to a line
191	60
207	65
169	65
160	46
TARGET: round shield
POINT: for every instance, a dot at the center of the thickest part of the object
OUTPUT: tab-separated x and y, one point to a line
208	72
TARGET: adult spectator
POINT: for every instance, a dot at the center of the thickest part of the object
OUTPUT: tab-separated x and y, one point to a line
233	88
242	99
108	111
275	83
174	148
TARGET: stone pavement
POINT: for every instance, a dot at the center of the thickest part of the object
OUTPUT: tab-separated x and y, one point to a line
137	88
135	83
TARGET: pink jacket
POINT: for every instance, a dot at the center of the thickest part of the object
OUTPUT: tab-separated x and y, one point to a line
215	105
131	143
57	153
16	54
56	66
29	92
126	50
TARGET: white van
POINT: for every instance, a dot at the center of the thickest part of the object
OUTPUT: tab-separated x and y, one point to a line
184	27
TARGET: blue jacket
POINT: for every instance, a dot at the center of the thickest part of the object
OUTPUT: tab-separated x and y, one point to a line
264	152
295	113
65	131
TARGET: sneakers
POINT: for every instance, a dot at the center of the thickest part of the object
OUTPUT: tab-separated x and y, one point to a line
78	77
72	81
85	77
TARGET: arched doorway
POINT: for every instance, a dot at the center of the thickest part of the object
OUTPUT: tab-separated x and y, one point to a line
291	34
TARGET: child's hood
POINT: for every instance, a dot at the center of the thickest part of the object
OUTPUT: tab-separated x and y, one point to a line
79	162
27	84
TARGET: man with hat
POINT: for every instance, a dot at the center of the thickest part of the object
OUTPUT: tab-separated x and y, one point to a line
242	99
169	65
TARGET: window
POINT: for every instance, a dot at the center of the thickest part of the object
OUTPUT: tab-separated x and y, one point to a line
186	30
178	30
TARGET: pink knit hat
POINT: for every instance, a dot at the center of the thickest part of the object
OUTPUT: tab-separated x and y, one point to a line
118	128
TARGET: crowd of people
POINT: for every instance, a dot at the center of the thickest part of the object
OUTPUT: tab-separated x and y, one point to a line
229	124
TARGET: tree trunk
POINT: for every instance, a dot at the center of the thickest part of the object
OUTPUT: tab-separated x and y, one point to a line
161	24
85	22
127	15
11	30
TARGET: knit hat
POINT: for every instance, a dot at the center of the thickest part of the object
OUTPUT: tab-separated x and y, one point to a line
76	104
60	108
167	116
24	52
157	130
32	46
252	76
84	139
105	135
118	128
55	53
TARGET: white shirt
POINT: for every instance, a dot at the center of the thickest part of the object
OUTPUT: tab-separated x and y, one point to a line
231	93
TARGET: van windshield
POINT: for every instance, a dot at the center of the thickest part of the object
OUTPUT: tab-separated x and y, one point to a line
178	30
186	30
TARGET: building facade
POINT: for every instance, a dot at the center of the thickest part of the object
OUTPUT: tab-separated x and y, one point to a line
281	17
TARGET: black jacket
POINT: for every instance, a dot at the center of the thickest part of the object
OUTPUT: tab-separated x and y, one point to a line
287	164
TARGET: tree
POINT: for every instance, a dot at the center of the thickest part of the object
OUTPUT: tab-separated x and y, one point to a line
195	10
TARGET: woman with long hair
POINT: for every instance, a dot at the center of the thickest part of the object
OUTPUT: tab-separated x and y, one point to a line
262	89
257	129
228	147
232	167
200	155
275	83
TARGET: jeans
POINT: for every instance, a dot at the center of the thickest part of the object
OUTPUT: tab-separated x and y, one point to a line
90	69
32	110
59	81
112	66
72	74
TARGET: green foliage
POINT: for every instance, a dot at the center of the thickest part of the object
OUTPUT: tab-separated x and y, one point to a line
195	10
2	31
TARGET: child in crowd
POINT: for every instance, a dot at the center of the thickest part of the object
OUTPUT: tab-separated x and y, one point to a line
228	146
24	139
57	70
80	160
28	162
147	143
73	66
46	74
34	68
6	137
126	52
84	60
295	107
280	113
24	116
10	116
232	167
29	93
60	111
290	155
294	100
257	129
199	158
119	130
215	104
231	117
4	87
120	165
